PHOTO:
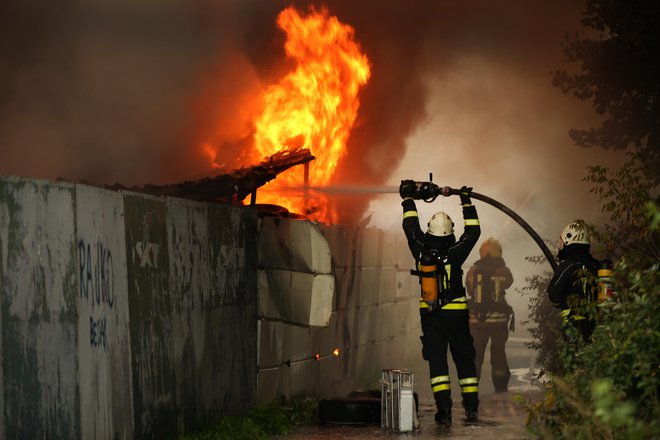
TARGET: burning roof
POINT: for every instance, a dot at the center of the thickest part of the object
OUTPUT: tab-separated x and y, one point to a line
230	187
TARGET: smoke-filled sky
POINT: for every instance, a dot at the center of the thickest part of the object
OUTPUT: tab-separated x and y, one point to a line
126	90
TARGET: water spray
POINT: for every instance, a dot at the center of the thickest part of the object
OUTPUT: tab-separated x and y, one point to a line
428	192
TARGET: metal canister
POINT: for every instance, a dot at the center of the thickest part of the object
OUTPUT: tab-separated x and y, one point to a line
604	279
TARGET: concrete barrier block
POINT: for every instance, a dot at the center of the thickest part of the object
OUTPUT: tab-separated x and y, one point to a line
268	385
368	365
413	347
297	343
368	286
353	287
347	328
407	285
269	298
293	244
340	242
271	343
387	292
410	312
402	321
296	297
344	282
284	384
384	321
303	377
311	298
382	357
404	258
391	244
366	325
326	339
396	354
370	248
329	377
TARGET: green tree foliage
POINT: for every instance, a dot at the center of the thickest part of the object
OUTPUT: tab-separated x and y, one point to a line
610	387
625	194
619	67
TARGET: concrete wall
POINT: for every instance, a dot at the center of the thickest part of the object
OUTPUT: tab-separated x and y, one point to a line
122	315
373	321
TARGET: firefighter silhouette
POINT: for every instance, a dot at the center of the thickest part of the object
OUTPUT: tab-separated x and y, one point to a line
443	305
491	317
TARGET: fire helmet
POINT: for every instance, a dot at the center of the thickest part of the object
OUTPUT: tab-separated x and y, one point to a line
576	232
490	247
441	225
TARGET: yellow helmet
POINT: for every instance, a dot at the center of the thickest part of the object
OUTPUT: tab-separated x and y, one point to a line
490	247
441	225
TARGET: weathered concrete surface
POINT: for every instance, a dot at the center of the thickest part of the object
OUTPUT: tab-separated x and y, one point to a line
103	336
192	272
38	290
151	308
123	315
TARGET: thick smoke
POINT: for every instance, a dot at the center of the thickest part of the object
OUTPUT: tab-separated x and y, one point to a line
129	91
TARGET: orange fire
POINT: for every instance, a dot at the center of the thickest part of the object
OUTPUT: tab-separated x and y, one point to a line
313	106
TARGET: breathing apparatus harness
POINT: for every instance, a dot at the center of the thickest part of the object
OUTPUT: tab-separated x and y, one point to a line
433	278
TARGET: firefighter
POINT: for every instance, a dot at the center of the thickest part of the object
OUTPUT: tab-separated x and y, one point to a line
573	284
444	318
486	283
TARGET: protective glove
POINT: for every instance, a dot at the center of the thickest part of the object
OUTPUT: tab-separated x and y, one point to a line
465	195
407	189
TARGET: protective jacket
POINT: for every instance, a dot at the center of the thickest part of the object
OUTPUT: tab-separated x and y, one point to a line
453	254
486	282
574	280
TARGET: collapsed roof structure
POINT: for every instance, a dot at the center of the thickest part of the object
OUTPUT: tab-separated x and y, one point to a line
231	187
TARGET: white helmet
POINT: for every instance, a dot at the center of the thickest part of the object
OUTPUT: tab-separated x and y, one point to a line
441	225
576	232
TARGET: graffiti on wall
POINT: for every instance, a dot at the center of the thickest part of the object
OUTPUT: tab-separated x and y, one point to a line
97	288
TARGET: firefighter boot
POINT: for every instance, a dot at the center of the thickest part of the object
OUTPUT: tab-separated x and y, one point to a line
443	403
443	416
471	407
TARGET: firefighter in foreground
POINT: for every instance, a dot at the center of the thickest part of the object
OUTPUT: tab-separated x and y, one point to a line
485	283
443	306
573	285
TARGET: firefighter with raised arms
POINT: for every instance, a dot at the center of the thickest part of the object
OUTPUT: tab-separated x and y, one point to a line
443	304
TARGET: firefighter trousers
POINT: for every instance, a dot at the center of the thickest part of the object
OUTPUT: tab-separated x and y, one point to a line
440	333
498	334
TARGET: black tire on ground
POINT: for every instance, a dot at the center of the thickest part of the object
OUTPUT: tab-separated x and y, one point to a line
349	411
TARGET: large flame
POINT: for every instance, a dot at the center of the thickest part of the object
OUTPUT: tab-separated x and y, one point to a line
313	106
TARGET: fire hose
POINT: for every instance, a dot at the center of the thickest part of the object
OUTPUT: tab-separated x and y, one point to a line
429	191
